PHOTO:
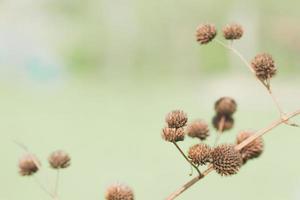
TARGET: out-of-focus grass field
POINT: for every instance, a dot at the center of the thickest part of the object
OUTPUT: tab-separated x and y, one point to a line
96	78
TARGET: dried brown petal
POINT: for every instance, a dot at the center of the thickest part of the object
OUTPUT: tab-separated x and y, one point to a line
59	159
176	119
173	134
200	154
233	31
119	192
226	160
206	33
198	129
253	149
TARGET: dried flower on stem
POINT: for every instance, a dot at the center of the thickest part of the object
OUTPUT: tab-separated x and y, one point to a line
206	33
28	165
200	154
233	32
198	129
253	149
59	160
119	192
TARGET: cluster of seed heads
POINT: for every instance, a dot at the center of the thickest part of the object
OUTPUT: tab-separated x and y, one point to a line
224	158
29	164
262	64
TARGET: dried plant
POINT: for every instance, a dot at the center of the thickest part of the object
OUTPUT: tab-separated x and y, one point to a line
225	159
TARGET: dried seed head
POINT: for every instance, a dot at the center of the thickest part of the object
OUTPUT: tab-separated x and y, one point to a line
28	165
200	154
225	106
252	150
206	33
59	159
264	66
176	119
233	31
119	192
198	129
173	134
228	122
226	160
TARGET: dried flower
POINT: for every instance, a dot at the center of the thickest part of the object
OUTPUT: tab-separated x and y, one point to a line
28	165
173	134
59	159
264	66
198	129
253	149
233	31
119	192
225	106
200	154
206	33
226	160
176	119
228	122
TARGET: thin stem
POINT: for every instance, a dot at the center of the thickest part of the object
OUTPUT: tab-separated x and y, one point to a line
238	147
220	130
186	158
43	188
56	183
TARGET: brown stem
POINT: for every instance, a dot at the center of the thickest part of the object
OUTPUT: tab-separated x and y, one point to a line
186	158
220	130
238	147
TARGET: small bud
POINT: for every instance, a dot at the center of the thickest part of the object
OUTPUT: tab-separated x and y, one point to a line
200	154
28	165
176	119
233	31
198	129
264	66
173	134
226	160
225	106
59	159
252	150
228	122
119	192
206	33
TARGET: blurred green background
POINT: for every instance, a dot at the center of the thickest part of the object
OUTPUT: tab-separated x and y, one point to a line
96	78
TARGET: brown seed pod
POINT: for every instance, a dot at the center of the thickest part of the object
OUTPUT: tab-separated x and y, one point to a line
228	122
225	106
252	150
28	165
59	159
200	154
206	33
264	66
176	119
173	134
233	32
119	192
198	129
226	160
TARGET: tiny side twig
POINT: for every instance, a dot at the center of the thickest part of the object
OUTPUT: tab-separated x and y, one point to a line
238	147
186	158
